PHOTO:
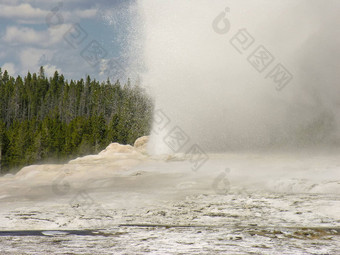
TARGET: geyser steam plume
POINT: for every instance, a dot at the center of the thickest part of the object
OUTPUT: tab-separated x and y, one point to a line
213	93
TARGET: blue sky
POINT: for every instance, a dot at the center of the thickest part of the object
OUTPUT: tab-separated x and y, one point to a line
75	37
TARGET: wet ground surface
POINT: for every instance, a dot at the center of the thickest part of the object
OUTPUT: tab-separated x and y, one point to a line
285	206
233	223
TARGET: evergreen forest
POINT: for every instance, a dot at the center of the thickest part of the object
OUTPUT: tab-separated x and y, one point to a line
50	119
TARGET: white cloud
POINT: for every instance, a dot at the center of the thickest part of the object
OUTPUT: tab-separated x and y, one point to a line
10	67
84	14
30	57
50	69
28	47
22	11
27	14
24	35
55	35
10	2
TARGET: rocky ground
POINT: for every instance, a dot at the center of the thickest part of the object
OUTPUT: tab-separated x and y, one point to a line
125	202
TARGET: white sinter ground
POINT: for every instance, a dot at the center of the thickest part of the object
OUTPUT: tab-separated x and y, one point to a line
233	204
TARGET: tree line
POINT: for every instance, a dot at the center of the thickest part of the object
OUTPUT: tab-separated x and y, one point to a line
49	118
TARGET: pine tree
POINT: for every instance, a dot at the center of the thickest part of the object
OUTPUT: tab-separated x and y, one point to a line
48	117
2	132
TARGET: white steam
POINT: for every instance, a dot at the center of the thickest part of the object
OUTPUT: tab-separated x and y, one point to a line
216	96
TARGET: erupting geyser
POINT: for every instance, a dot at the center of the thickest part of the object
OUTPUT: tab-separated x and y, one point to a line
216	96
